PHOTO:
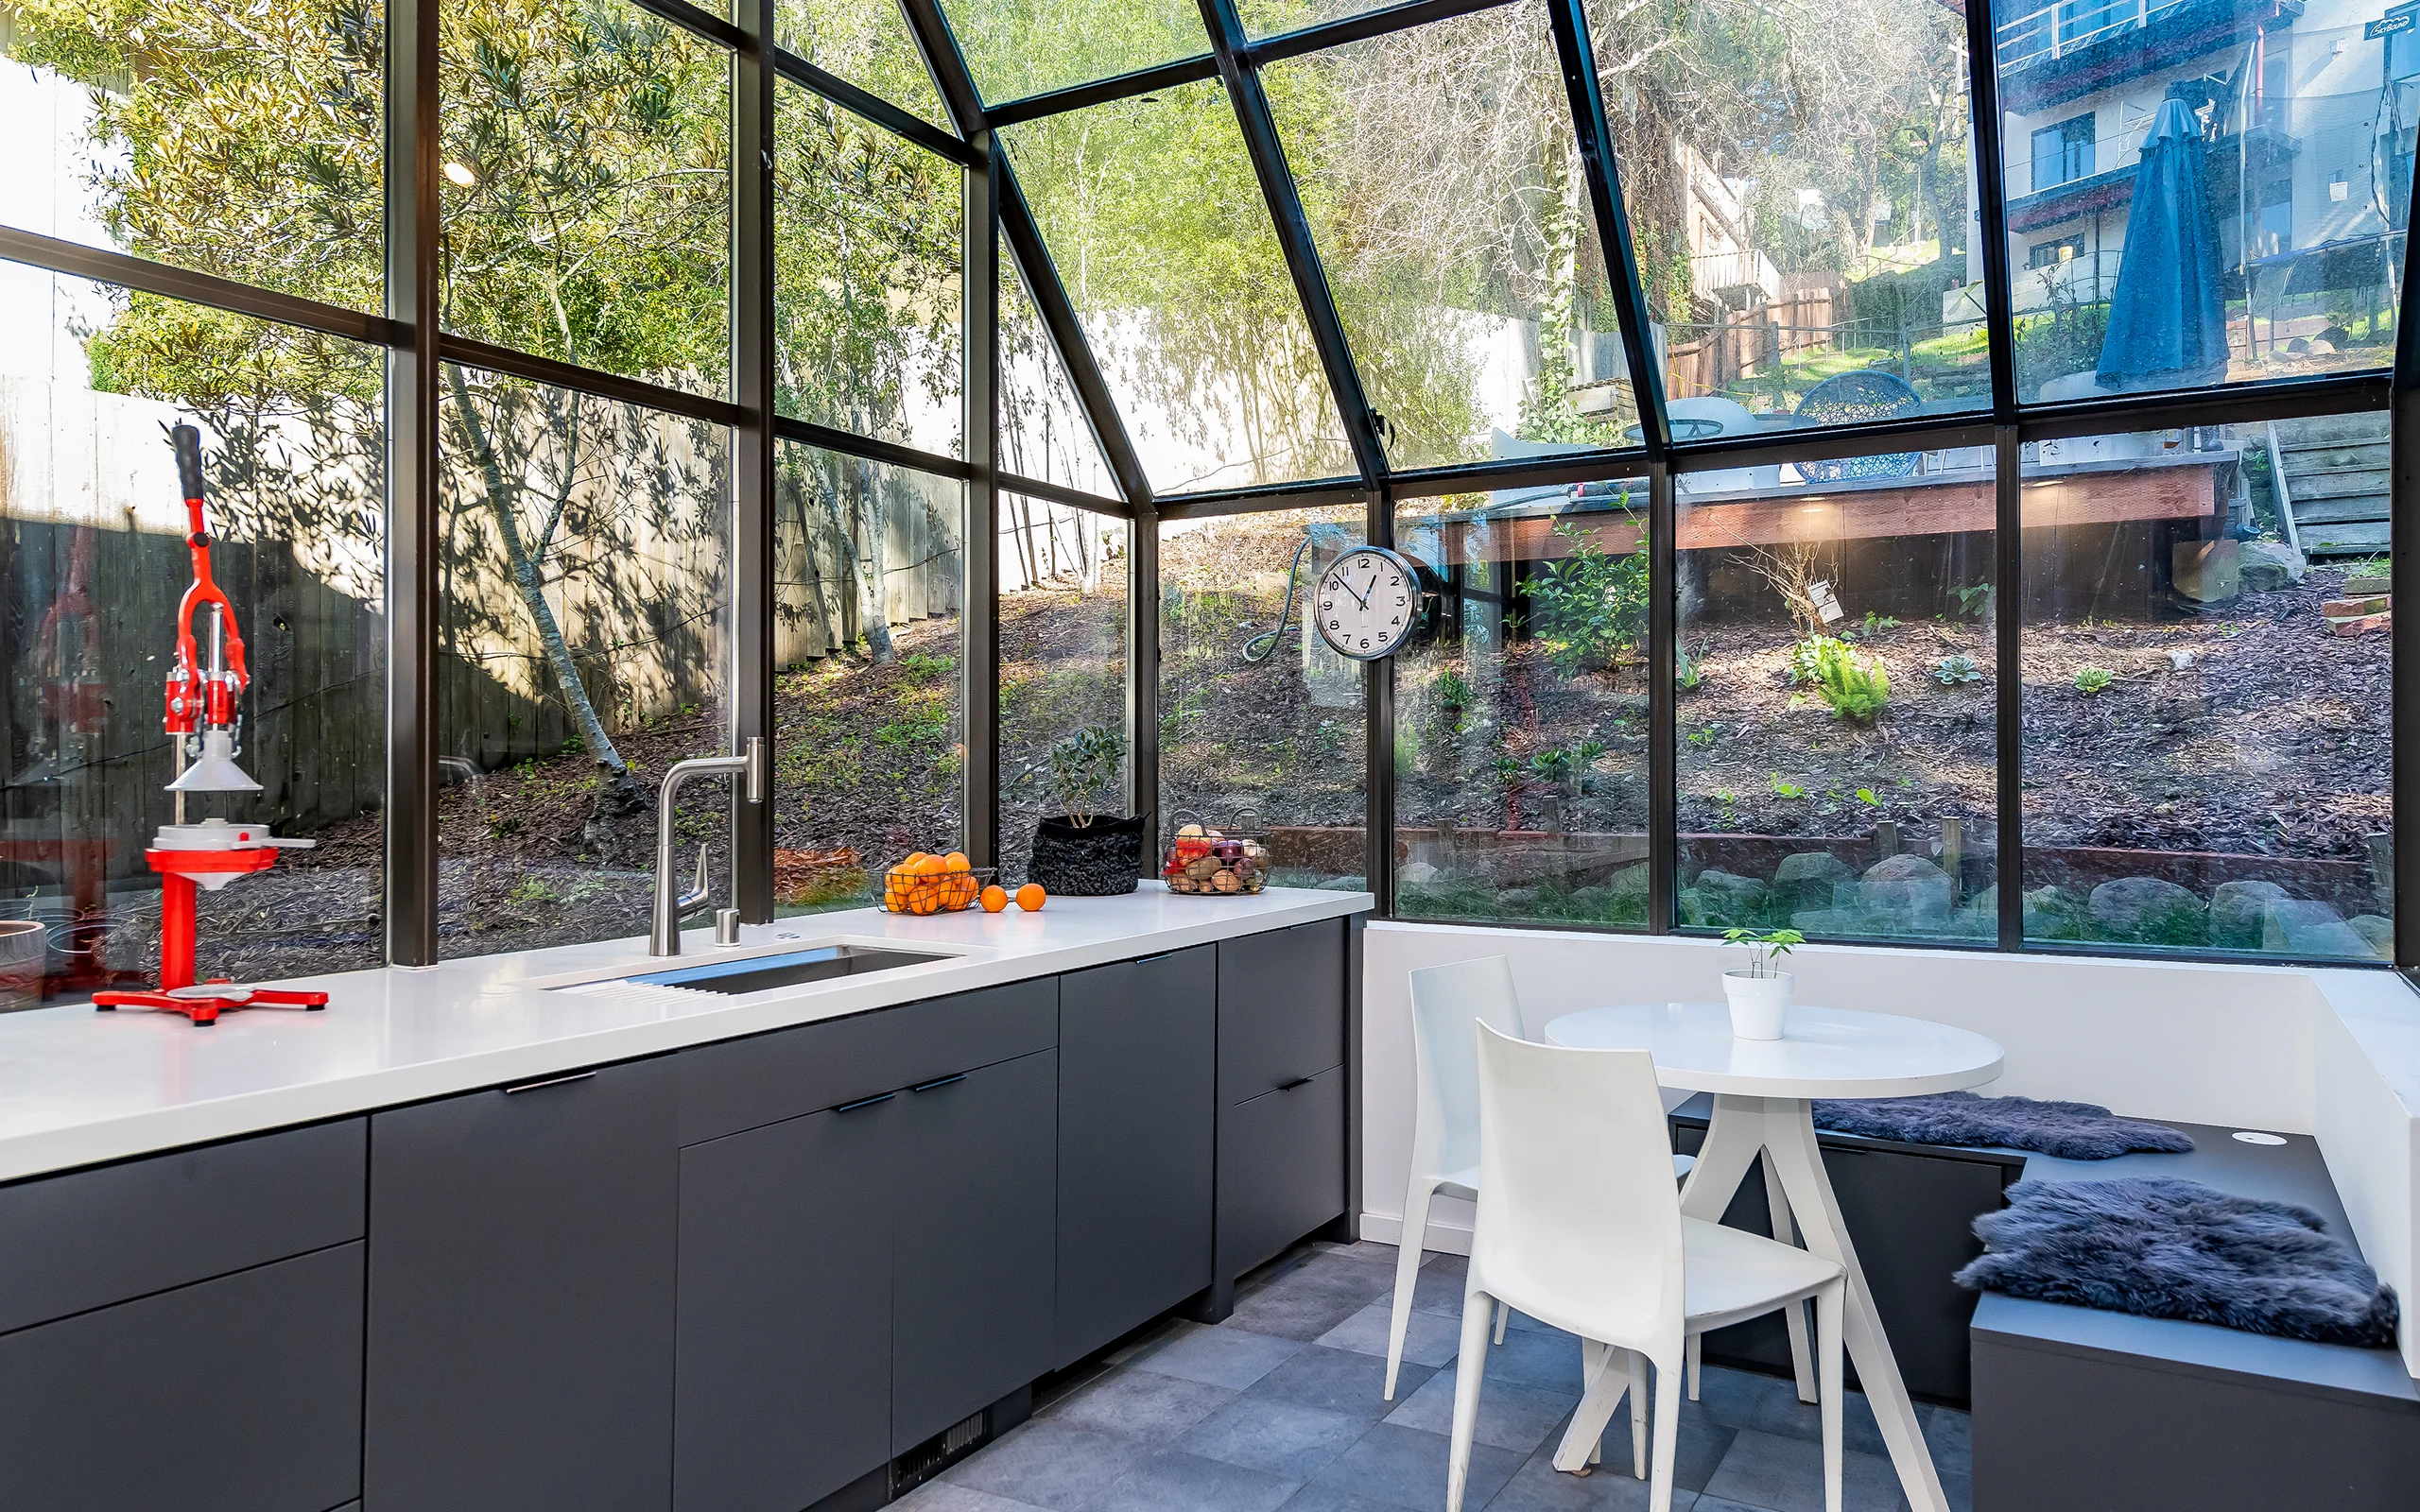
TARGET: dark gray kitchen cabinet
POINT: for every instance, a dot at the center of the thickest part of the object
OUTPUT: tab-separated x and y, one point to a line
241	1394
1137	1111
1280	1169
973	1198
522	1247
783	1393
1281	1008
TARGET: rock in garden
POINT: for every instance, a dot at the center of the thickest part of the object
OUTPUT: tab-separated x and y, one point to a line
2236	912
2379	932
1805	880
2288	923
1908	888
1415	874
1728	897
2151	910
1629	888
2266	566
2052	913
2338	939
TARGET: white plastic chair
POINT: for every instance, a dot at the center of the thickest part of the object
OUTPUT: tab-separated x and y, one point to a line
1581	1227
1446	1002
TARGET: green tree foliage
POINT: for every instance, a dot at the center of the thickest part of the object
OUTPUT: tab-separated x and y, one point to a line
1588	607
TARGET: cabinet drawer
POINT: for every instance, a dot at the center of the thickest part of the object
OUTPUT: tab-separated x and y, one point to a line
1281	1008
743	1084
91	1238
1280	1169
241	1394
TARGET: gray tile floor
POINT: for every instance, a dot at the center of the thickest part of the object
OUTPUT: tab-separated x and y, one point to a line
1279	1406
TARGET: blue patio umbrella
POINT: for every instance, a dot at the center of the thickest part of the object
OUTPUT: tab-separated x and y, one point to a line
2167	322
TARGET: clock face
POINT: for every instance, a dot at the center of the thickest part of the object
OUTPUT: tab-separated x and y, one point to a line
1367	604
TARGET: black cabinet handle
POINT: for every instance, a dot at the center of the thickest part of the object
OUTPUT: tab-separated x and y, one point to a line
1146	960
1299	1081
551	1081
927	1087
865	1102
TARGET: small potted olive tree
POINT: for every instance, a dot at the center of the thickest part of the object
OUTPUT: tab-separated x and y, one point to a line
1081	852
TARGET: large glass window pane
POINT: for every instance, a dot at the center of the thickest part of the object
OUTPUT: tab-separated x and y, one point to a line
870	727
1261	725
1063	657
867	313
2201	192
1445	190
1798	192
583	648
865	42
1270	18
1159	232
1837	760
245	141
1019	48
1521	727
93	566
2208	739
587	187
1044	432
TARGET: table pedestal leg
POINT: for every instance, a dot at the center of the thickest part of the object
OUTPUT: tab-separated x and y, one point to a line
1789	1140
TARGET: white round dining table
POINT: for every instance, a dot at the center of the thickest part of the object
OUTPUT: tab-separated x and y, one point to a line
1764	1093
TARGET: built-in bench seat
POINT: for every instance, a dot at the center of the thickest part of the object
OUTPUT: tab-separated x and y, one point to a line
2090	1411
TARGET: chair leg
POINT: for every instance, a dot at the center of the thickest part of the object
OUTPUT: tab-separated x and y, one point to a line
1638	1415
1469	1368
1697	1366
1503	1316
1415	1232
1579	1441
1668	1438
1593	1357
1828	1308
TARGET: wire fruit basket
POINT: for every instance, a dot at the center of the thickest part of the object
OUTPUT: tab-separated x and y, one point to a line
933	885
1205	862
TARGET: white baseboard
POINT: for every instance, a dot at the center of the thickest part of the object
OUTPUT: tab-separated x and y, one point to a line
1443	1237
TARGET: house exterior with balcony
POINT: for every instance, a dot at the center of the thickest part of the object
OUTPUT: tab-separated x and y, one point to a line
2308	108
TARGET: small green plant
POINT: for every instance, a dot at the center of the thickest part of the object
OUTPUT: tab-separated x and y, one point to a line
2090	680
1453	693
1083	767
1853	690
1767	948
1684	669
1865	796
1952	670
1974	599
1781	789
1807	659
1702	737
1877	623
1590	606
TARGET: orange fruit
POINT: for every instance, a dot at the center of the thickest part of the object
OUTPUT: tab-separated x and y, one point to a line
994	899
1030	897
956	861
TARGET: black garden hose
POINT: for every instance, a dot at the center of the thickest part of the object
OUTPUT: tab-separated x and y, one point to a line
1269	639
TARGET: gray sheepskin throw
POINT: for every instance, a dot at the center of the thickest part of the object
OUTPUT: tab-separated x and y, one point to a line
2162	1247
2073	1131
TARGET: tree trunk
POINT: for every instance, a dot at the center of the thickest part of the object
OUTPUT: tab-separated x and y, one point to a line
503	501
872	612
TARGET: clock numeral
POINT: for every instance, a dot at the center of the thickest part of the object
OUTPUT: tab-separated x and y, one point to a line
1336	625
1327	603
1365	643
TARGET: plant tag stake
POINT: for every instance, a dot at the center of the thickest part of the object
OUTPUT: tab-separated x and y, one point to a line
1827	608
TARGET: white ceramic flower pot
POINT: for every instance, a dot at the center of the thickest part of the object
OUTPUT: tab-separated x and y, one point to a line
1758	1003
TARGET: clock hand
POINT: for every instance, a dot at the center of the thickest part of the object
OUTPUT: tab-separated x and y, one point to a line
1346	583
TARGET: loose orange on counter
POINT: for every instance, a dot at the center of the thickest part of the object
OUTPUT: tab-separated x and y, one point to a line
1030	897
994	899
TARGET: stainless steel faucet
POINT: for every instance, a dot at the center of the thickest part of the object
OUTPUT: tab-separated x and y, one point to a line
663	931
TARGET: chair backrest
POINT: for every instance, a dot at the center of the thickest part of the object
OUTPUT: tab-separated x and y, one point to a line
1447	1001
1575	1194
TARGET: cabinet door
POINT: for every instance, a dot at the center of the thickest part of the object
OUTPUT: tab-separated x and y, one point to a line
237	1395
1138	1115
520	1298
1280	1169
784	1387
1281	1008
974	1193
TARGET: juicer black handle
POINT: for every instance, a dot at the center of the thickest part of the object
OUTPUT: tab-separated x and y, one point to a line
187	441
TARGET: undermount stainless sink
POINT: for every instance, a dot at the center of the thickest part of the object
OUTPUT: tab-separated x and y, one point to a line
819	963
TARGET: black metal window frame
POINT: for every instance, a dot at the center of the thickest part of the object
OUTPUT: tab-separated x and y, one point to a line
998	219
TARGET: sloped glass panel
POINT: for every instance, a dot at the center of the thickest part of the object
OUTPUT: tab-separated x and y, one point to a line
2218	779
865	42
587	188
868	711
1270	18
1019	48
1159	232
1062	657
1444	191
2201	192
1838	769
245	141
1798	195
868	316
1044	432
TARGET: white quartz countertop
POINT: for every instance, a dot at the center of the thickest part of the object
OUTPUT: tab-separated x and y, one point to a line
79	1086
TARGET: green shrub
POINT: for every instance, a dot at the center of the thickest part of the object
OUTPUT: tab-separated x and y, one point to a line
2090	680
1588	608
1853	690
1952	670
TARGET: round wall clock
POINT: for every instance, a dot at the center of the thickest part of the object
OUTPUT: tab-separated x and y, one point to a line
1368	603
